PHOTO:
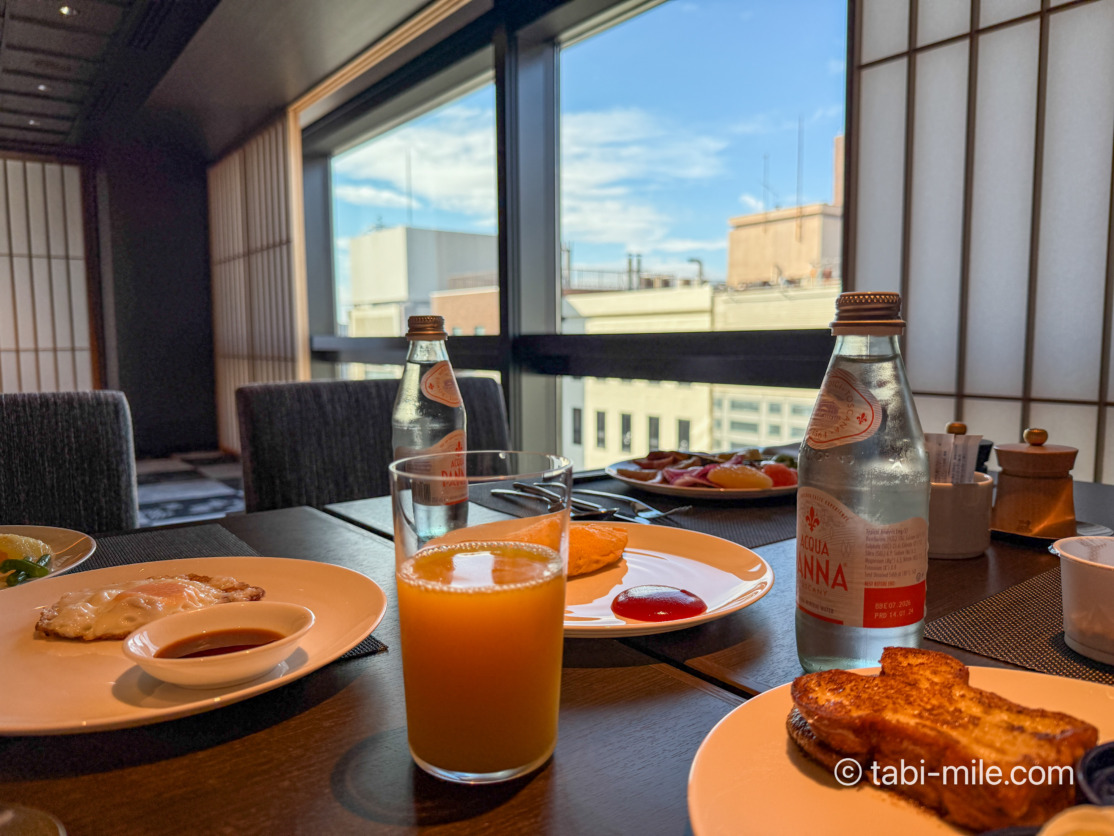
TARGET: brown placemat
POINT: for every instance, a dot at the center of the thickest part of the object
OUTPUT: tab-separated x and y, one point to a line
187	541
748	522
1022	625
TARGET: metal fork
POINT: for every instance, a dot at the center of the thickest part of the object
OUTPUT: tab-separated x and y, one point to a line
640	508
550	492
581	509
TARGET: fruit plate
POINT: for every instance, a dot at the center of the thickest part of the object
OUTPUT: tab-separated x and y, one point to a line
696	491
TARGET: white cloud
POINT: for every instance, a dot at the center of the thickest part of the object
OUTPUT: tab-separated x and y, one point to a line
606	154
687	245
450	157
751	202
837	66
373	196
613	161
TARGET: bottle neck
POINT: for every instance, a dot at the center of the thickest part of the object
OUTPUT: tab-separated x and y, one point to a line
868	345
427	351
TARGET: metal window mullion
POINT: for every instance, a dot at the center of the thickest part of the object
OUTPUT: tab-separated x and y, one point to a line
526	124
1104	358
968	197
910	122
1035	218
852	96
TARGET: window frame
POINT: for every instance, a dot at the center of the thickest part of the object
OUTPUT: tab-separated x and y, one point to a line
529	352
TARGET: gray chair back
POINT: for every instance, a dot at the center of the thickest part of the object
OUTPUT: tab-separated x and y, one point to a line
324	441
67	459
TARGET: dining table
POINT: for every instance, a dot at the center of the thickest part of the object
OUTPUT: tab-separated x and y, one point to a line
327	751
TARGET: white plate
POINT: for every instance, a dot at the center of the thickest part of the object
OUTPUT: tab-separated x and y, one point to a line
60	686
695	492
68	547
725	575
749	777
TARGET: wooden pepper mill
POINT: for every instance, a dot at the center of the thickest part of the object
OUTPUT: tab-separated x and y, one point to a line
1034	495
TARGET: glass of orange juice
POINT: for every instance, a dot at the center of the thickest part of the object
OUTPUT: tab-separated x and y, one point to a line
481	602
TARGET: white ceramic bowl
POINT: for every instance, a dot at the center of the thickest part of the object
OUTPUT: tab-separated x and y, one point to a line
1087	580
290	620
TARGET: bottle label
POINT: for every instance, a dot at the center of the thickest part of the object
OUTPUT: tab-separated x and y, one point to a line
845	412
447	460
857	573
438	384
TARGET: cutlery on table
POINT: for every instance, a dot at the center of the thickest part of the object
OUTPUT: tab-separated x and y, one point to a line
640	508
549	493
581	509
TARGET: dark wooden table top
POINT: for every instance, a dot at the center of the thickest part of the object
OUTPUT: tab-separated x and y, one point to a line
328	754
754	650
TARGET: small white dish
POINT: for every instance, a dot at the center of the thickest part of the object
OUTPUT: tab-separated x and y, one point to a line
291	621
1087	583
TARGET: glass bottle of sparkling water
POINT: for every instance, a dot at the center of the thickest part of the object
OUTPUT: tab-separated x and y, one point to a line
862	505
429	418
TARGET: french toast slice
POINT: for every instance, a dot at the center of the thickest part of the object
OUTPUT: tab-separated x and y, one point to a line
921	712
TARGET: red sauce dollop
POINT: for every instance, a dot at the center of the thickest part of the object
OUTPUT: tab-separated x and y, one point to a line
651	602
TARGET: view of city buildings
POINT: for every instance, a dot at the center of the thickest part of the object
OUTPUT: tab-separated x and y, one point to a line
783	273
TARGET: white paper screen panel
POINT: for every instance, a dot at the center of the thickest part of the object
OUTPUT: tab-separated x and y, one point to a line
999	11
885	29
1075	203
935	242
934	413
1074	426
1001	209
256	335
942	19
998	421
881	177
44	310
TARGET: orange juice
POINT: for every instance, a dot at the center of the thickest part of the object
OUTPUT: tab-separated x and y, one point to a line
482	626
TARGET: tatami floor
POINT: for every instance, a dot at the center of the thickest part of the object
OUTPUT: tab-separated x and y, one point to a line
187	487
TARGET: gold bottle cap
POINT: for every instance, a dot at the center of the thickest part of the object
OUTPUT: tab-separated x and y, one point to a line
426	328
956	428
868	312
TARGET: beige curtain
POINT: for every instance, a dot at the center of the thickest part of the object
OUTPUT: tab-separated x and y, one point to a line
260	327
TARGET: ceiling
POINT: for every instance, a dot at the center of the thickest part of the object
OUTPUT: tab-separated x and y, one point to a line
72	71
75	74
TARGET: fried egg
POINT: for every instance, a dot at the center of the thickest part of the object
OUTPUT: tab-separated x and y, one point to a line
112	612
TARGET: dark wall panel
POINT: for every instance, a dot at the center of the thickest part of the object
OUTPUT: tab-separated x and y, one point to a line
160	296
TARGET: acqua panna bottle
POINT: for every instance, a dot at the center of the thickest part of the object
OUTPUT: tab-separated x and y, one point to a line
862	505
429	418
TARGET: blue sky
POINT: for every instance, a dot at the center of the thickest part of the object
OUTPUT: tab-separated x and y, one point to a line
670	123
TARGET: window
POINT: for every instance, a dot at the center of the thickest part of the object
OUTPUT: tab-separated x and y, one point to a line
414	221
632	248
745	406
656	164
654	432
750	427
624	422
577	425
800	410
773	408
773	430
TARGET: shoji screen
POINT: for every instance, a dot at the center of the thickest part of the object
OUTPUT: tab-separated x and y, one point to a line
260	330
44	308
982	147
